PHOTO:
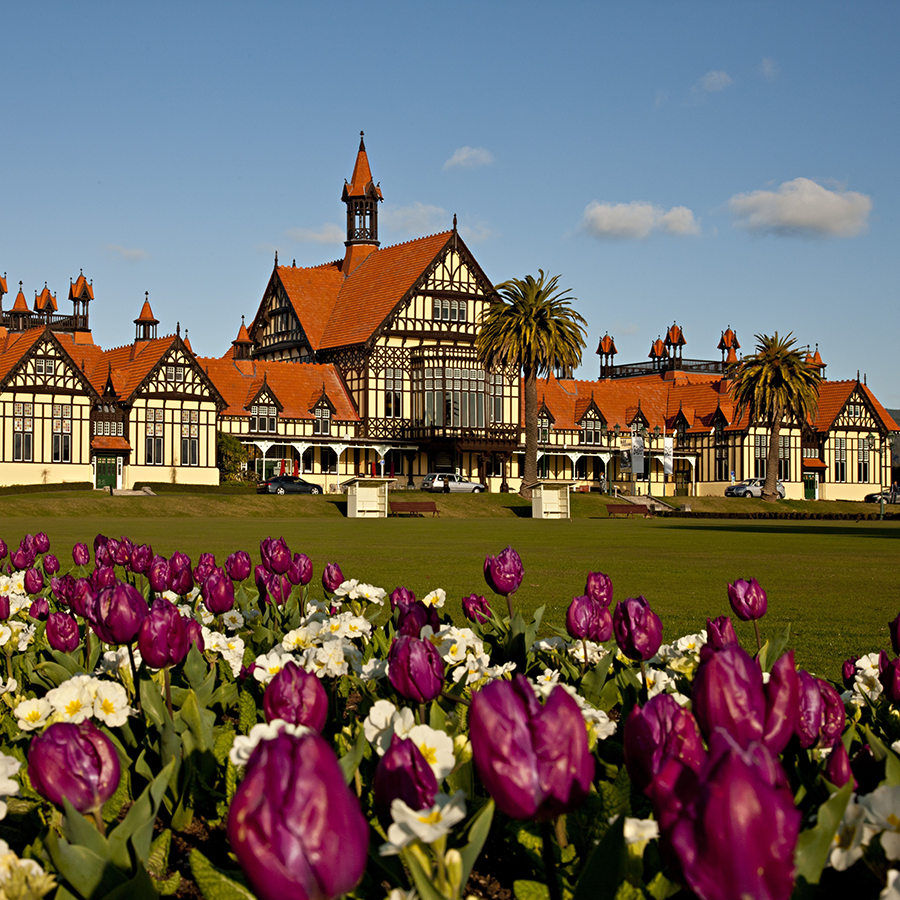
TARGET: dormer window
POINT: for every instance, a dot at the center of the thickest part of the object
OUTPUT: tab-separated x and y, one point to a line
591	430
322	424
263	418
544	429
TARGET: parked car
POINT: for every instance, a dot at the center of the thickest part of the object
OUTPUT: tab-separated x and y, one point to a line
752	487
287	484
891	495
434	482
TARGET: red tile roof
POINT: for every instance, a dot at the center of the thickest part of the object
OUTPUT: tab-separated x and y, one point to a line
20	305
607	345
146	315
3	287
44	300
109	443
360	184
80	287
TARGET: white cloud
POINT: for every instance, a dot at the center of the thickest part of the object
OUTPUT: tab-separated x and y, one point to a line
129	254
327	234
713	82
477	232
420	218
768	68
469	158
636	220
802	208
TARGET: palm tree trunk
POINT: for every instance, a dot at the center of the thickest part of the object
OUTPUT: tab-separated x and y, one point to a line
529	384
770	488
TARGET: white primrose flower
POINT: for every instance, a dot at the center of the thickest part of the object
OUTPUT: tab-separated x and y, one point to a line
5	634
318	607
230	648
112	661
474	668
233	620
374	670
71	701
495	672
383	721
639	830
882	808
852	836
24	634
548	644
304	637
658	681
32	714
345	625
866	680
346	588
9	765
184	609
545	682
599	724
435	598
245	744
692	643
37	881
332	659
111	703
455	643
595	651
436	747
400	894
369	593
9	687
426	825
267	666
892	888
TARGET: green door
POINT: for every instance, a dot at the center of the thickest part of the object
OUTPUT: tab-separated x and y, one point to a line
810	485
106	471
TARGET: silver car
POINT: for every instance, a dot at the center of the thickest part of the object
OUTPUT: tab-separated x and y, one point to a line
753	487
435	481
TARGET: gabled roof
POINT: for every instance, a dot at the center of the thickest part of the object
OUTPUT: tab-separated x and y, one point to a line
360	184
3	288
45	301
81	288
607	346
146	315
15	347
833	397
21	305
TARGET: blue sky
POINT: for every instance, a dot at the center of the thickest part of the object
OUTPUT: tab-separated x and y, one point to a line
714	164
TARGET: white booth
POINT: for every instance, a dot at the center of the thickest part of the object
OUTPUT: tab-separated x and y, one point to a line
551	499
367	498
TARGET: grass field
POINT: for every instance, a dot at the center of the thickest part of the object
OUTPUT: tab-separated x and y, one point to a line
836	582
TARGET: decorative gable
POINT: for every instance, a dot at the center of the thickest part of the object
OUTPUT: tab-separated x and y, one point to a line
46	366
177	375
856	413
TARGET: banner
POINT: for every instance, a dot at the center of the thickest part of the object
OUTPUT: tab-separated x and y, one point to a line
637	454
667	455
624	461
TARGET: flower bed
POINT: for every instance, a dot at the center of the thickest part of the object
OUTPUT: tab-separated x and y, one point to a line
351	742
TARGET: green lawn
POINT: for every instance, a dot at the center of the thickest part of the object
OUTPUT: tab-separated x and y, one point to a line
836	582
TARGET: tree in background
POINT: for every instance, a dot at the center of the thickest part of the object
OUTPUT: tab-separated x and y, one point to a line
230	456
772	385
530	327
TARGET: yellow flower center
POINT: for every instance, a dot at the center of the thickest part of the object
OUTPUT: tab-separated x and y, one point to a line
33	716
432	818
108	707
73	707
893	821
430	753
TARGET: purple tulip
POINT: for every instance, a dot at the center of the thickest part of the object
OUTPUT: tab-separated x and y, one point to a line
158	574
82	598
588	620
121	551
821	715
301	570
332	577
101	551
50	564
296	696
403	774
4	550
848	672
181	579
837	766
782	697
638	629
81	556
62	588
720	632
656	733
163	637
77	763
117	613
599	588
277	587
261	578
39	609
415	617
41	542
534	760
275	555
238	565
476	608
401	598
737	833
34	581
4	607
748	600
218	592
504	572
294	825
415	669
205	566
23	557
194	634
103	577
728	693
62	632
141	558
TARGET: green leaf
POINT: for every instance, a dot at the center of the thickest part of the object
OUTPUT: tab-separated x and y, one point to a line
152	702
214	884
660	888
773	649
199	721
68	662
350	762
479	828
605	867
80	830
225	695
223	744
595	679
531	890
247	712
437	718
158	858
141	887
814	844
421	878
881	751
89	874
50	673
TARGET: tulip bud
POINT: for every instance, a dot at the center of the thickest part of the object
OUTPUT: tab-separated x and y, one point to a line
747	599
158	574
194	634
837	766
74	762
117	613
103	577
294	825
62	632
278	588
403	773
121	551
4	550
720	632
332	577
81	556
163	637
588	620
415	669
415	617
40	609
181	580
205	566
41	542
101	551
504	572
638	629
238	565
34	581
599	588
297	696
848	672
218	592
534	760
821	715
275	555
50	564
23	557
82	598
62	588
4	607
782	696
476	608
141	558
301	570
894	629
402	598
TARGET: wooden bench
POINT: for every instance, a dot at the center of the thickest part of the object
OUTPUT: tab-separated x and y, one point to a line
413	507
627	509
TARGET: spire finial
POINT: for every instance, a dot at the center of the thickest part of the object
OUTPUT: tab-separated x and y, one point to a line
276	258
178	329
362	143
454	221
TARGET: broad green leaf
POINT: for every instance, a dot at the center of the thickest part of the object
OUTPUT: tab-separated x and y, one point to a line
81	831
814	845
152	702
89	874
531	890
660	888
199	721
437	718
141	887
67	661
479	829
225	695
595	679
772	649
158	858
422	879
350	762
50	673
214	884
880	750
605	867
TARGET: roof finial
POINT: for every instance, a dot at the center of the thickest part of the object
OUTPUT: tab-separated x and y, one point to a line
178	329
276	259
454	221
362	143
242	320
857	376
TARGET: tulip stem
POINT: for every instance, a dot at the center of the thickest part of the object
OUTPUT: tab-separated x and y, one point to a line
645	690
549	857
97	816
509	607
168	684
584	661
758	641
454	699
137	693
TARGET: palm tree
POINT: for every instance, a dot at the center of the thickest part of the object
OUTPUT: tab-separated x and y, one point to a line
773	384
530	327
